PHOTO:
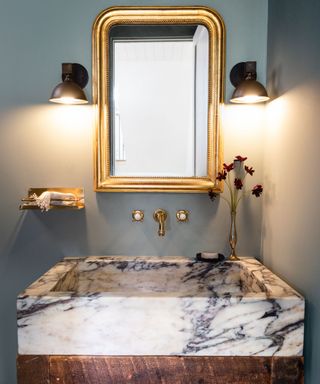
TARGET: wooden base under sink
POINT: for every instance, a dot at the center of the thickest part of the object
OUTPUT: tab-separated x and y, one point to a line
45	369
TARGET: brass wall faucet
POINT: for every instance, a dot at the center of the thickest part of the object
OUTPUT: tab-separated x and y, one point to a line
160	215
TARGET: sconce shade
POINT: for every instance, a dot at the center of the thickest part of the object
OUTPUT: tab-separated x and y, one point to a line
68	92
74	78
248	90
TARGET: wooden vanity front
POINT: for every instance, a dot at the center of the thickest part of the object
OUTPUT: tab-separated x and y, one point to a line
44	369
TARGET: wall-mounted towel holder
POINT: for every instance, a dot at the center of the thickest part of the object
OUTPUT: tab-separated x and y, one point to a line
53	198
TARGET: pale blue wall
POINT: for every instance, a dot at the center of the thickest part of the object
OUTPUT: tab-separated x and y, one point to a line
47	145
291	215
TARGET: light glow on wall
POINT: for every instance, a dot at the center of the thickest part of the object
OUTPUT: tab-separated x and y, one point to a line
243	129
48	121
47	142
276	112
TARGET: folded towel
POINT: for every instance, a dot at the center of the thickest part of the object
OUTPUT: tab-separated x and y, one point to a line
48	198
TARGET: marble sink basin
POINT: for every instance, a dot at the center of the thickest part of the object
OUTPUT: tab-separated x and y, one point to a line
118	305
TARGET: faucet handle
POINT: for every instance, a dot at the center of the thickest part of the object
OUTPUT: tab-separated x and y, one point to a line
182	215
137	215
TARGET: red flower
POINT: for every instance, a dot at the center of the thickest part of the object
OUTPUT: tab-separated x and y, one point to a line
257	190
238	183
212	195
227	167
249	170
240	158
222	175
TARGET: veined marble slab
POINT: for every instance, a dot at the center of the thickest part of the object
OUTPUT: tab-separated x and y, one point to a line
118	305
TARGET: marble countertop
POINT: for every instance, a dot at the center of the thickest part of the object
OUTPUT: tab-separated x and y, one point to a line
120	305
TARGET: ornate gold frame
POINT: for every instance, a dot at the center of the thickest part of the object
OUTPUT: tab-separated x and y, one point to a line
104	182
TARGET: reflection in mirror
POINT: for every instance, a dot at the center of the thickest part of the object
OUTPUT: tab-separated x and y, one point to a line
159	100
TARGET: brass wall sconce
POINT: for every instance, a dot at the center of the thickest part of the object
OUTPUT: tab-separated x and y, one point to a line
243	77
74	78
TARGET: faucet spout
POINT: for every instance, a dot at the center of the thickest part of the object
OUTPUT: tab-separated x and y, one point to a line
160	215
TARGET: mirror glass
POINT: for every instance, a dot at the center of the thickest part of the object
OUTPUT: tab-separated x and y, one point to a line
159	100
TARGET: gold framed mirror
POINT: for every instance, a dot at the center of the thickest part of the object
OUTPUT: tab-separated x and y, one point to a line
158	80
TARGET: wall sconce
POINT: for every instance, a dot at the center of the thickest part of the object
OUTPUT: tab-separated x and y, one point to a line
74	78
243	77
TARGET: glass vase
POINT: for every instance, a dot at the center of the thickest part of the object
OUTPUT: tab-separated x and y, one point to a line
233	236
